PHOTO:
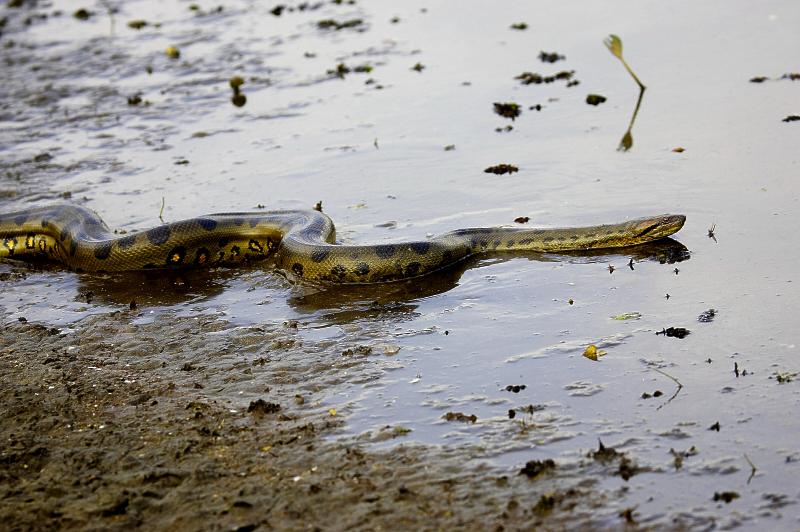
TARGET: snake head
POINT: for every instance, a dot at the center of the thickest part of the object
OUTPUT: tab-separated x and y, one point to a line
655	227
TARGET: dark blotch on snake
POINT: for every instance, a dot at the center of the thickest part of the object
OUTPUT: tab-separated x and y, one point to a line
318	255
207	223
362	268
223	242
338	271
158	235
297	269
101	252
45	223
73	248
385	251
256	246
126	242
421	248
21	219
412	268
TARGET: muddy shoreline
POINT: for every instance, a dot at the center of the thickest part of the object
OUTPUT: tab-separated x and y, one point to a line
112	425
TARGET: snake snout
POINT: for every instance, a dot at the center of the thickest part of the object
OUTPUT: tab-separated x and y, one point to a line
661	226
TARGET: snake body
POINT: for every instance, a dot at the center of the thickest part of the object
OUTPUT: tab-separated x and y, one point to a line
302	243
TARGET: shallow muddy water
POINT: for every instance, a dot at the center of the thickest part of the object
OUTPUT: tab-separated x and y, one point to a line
371	146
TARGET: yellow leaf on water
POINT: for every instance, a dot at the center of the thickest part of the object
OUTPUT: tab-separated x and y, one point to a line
592	353
627	316
332	412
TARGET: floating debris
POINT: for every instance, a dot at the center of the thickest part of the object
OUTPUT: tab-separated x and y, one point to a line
595	99
515	387
592	353
674	332
707	315
627	316
725	496
614	45
534	78
82	14
458	416
331	24
501	169
521	220
716	426
137	24
262	407
172	52
519	26
791	118
507	110
711	233
419	67
534	468
550	57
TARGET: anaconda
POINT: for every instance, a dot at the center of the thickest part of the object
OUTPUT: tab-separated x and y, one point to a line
302	243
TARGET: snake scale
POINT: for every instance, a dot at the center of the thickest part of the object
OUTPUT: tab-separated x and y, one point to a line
301	242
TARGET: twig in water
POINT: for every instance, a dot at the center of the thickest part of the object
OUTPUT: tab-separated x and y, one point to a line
674	395
614	45
161	212
752	469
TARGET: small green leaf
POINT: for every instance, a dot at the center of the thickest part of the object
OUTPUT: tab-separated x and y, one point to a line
614	45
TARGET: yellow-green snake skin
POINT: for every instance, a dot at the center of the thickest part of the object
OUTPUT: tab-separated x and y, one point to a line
301	242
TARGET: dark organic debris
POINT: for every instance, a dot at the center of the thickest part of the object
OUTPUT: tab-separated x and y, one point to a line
716	426
136	99
627	468
501	169
515	388
675	332
707	315
331	24
534	78
521	219
137	24
262	407
512	413
508	109
627	514
595	99
238	99
534	468
458	416
758	79
725	496
791	118
419	67
657	393
82	14
550	57
680	455
519	26
603	453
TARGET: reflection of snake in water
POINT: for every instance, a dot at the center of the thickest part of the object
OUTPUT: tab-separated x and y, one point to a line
301	242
